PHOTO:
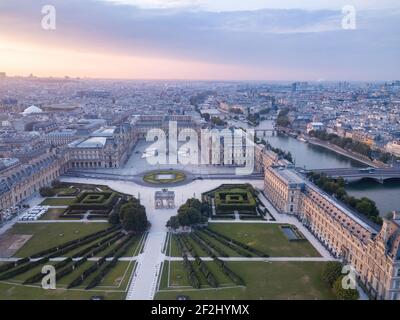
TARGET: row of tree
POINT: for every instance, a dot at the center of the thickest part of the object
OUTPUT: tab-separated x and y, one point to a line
281	153
336	188
345	143
333	276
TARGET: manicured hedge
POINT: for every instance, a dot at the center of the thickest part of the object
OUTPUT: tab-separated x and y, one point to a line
232	275
223	216
104	243
235	248
39	276
212	281
11	265
80	279
193	279
109	265
224	238
203	245
69	269
110	198
201	238
22	269
82	240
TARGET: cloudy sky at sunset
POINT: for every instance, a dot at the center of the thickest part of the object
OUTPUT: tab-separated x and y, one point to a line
202	39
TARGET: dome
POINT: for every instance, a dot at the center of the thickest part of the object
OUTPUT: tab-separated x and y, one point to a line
32	109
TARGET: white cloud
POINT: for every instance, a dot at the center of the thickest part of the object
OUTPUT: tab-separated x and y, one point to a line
245	5
310	40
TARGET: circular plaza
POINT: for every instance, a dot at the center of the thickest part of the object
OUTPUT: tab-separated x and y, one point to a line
165	178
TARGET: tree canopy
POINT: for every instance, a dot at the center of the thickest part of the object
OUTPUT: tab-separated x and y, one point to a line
133	216
342	293
192	212
331	272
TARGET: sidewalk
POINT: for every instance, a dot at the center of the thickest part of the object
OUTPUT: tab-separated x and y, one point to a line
32	203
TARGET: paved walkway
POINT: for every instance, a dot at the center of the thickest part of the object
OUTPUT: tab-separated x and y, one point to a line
144	279
258	259
32	203
64	221
74	259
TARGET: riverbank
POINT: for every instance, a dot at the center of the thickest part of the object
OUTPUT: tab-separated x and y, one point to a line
346	153
327	145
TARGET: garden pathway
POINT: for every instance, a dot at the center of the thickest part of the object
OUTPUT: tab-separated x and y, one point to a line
144	280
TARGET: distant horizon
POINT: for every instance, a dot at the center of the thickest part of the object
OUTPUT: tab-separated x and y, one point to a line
210	40
197	80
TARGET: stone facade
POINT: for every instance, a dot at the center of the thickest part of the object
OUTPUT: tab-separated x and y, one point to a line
164	199
374	254
19	182
108	147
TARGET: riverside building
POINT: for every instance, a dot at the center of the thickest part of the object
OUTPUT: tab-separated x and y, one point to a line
374	254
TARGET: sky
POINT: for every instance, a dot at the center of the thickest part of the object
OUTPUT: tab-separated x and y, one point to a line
202	39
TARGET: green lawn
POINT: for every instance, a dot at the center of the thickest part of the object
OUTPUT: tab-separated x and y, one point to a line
113	286
20	292
119	276
152	177
276	280
65	191
57	201
47	235
268	238
52	214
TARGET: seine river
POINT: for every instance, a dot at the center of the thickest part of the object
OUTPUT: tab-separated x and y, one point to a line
386	196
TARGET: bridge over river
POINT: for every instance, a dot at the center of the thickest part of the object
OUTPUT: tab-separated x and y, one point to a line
355	174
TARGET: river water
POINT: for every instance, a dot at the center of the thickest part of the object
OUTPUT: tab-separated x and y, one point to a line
386	196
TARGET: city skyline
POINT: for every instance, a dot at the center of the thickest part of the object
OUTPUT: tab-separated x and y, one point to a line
201	40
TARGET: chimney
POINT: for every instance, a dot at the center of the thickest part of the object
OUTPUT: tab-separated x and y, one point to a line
396	215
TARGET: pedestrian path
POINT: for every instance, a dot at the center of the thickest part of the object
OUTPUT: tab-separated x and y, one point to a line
63	221
258	259
144	282
34	201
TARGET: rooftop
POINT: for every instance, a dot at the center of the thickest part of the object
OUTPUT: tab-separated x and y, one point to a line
104	132
93	142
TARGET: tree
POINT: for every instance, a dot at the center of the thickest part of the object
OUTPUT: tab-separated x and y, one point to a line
385	157
194	203
217	121
283	118
340	193
331	272
389	215
367	207
173	223
206	116
113	218
47	192
56	184
342	293
133	216
188	216
192	212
